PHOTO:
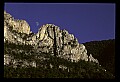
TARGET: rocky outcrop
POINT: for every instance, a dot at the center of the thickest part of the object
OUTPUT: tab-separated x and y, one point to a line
49	35
67	45
9	60
20	26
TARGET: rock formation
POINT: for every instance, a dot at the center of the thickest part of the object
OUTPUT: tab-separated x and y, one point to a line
67	46
18	25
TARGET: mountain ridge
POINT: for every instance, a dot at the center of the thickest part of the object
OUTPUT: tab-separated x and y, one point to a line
66	44
49	49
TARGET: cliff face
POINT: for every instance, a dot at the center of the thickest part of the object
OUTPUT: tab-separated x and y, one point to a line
21	26
13	28
49	39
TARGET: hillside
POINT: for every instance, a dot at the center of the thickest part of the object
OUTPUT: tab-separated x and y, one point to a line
104	51
51	66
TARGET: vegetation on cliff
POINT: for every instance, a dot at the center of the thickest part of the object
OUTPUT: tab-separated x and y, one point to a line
81	69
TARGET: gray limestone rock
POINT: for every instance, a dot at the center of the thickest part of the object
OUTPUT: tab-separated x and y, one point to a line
67	45
20	26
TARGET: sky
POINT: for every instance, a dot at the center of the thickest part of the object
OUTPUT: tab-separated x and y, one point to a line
86	21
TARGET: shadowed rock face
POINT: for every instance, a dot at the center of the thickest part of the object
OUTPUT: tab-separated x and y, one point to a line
67	45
